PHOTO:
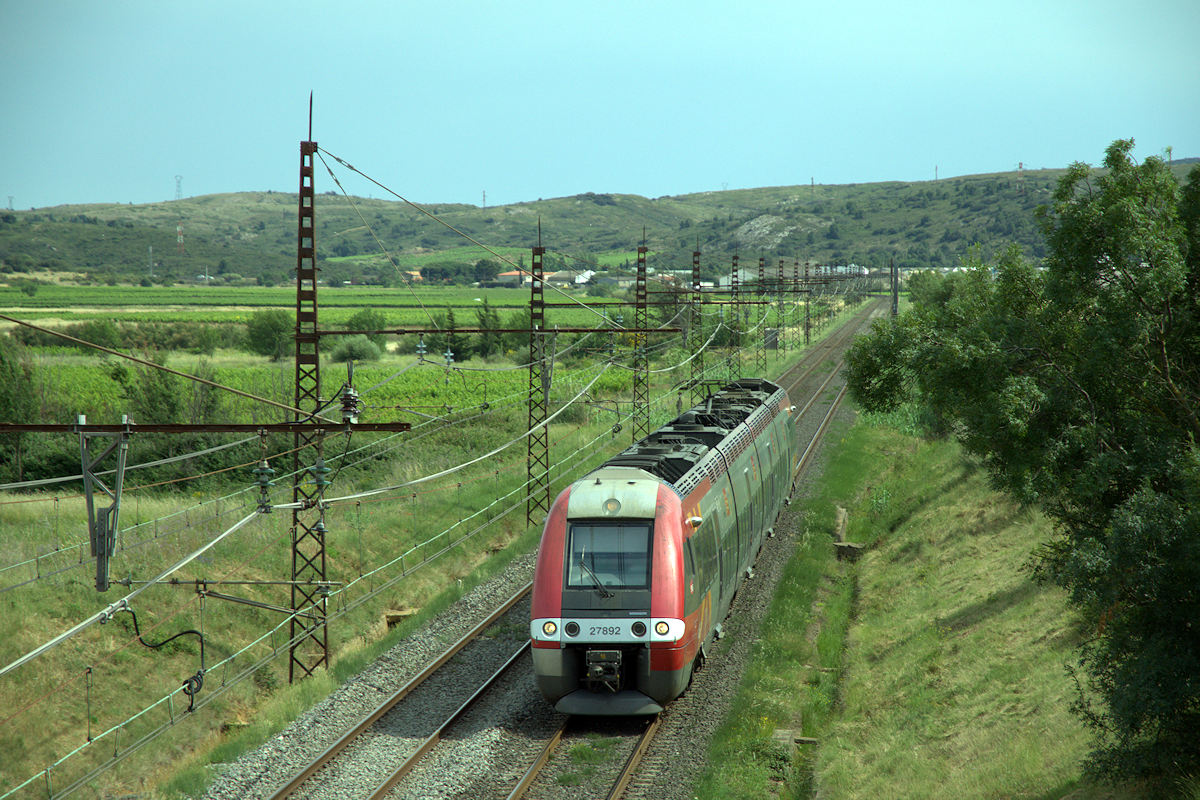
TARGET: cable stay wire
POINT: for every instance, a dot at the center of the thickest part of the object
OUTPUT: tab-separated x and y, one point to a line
401	273
493	407
466	236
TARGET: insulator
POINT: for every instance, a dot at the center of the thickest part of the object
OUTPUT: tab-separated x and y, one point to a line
421	346
319	473
350	405
263	473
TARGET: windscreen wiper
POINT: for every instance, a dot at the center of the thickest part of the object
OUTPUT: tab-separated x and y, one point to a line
605	593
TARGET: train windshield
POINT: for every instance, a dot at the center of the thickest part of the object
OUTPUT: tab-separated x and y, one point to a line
609	555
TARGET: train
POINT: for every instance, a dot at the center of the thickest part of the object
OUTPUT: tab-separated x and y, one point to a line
639	560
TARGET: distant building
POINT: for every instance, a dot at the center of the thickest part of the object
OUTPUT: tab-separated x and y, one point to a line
511	278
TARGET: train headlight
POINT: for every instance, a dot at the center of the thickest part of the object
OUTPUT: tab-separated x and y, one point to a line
639	628
572	628
549	628
662	628
612	505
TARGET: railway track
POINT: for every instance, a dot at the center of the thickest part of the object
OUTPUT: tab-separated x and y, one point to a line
550	770
297	786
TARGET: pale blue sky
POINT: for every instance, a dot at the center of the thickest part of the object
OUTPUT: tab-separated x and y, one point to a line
109	101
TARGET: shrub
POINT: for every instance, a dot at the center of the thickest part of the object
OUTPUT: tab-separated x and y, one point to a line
356	348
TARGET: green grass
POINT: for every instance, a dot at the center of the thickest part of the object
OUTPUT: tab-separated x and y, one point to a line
932	668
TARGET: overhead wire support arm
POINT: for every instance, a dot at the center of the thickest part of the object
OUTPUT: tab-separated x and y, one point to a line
103	524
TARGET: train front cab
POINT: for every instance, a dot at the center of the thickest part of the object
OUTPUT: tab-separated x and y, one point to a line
609	633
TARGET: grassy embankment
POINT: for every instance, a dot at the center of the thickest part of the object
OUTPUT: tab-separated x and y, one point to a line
124	676
933	667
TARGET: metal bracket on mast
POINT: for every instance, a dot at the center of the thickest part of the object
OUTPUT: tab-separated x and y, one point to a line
102	523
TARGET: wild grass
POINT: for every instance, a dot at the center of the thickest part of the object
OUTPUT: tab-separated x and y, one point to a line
939	662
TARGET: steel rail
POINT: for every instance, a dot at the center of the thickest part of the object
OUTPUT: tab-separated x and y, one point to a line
820	433
382	789
635	758
535	769
331	752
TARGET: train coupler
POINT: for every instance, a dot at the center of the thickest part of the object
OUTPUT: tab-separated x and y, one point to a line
603	670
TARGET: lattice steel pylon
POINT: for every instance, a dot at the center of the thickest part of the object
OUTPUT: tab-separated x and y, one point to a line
695	342
537	459
807	299
641	360
780	311
760	350
309	650
794	330
735	372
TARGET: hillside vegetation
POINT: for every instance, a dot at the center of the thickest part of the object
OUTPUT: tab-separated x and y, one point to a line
251	237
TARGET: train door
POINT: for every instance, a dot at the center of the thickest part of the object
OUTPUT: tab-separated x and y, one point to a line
742	491
729	547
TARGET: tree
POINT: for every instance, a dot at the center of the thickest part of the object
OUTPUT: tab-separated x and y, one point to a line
269	332
487	269
444	339
17	403
488	342
1079	387
369	319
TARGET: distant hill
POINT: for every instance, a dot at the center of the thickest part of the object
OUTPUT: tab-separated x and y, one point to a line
251	237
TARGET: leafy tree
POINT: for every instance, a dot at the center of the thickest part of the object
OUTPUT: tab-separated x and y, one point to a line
270	332
487	343
17	403
154	395
520	320
1079	387
486	269
369	319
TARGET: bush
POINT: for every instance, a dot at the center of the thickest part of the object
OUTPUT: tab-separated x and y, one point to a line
356	348
269	333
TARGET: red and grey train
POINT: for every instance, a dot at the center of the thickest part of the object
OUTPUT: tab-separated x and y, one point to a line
639	560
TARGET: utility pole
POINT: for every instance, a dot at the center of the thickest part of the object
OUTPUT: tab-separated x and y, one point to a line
309	650
641	359
735	319
537	460
895	287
